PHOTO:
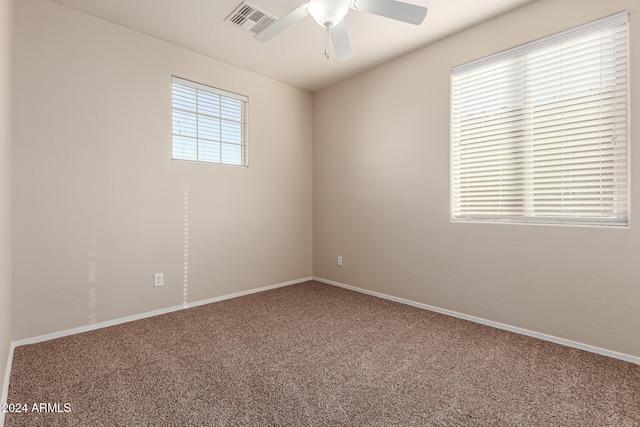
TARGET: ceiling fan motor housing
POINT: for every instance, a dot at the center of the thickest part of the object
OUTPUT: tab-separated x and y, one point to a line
328	13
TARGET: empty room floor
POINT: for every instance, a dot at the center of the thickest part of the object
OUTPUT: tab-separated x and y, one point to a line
315	354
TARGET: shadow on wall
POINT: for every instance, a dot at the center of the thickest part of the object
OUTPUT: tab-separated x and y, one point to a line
92	266
92	288
185	271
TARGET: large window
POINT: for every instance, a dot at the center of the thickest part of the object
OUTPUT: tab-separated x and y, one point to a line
207	124
539	133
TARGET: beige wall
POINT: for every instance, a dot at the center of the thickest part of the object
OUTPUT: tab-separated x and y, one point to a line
381	198
98	205
6	65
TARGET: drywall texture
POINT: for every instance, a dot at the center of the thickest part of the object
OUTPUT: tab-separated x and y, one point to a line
6	65
99	207
381	198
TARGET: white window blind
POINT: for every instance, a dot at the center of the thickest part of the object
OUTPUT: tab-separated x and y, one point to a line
539	133
208	124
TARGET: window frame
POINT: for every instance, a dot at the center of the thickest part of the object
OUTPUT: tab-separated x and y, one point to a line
522	189
226	124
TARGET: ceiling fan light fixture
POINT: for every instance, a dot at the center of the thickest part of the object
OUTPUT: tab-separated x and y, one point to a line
328	13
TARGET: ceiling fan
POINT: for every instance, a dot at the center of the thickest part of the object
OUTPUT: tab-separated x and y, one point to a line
329	14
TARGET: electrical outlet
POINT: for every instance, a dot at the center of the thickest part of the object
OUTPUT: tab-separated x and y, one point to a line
339	260
158	279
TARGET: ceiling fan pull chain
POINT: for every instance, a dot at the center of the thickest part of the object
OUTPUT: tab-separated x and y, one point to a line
326	42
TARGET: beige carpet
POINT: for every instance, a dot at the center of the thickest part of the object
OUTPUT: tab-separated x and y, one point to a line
312	354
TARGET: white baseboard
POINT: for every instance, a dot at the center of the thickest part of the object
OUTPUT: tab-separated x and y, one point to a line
545	337
108	323
4	394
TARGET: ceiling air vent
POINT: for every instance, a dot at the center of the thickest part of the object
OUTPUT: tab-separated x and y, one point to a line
250	18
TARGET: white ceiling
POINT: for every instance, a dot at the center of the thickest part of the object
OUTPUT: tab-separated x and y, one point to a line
296	55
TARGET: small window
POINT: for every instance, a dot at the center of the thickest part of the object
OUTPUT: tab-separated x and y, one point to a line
208	125
539	133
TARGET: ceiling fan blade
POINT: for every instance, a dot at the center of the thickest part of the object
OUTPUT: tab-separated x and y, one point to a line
391	9
340	39
283	23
